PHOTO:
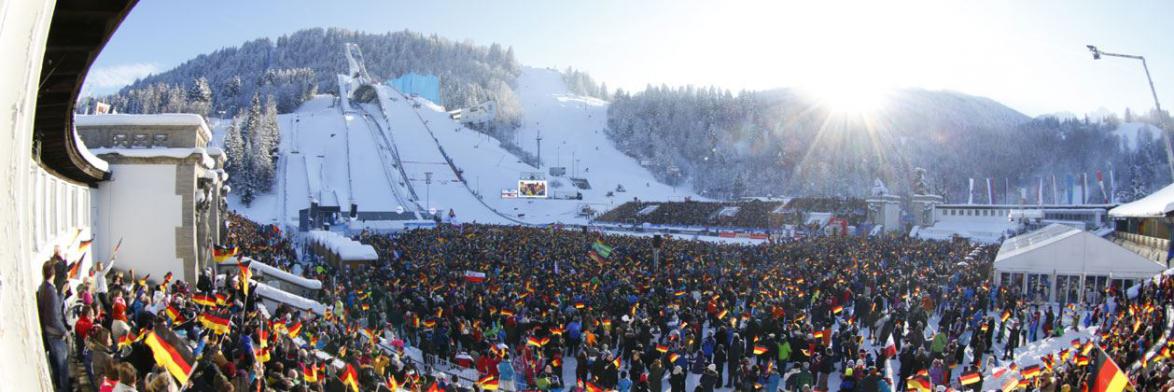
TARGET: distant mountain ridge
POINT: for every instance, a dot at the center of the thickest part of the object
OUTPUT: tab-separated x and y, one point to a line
786	142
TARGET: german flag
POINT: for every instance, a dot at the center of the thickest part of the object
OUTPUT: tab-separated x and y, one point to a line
1087	348
1076	343
969	378
75	267
216	324
617	362
204	300
430	323
837	309
533	341
245	275
662	348
350	378
222	254
310	373
507	313
556	331
818	334
1048	362
221	299
128	339
1006	315
591	387
1030	371
167	279
392	384
1107	377
1081	360
174	315
171	354
920	384
607	323
261	354
295	330
580	305
488	383
679	293
263	336
759	350
722	314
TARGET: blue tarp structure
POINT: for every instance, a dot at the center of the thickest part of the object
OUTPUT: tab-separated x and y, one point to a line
411	83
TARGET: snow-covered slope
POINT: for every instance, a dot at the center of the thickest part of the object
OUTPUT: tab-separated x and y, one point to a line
1130	132
337	153
572	130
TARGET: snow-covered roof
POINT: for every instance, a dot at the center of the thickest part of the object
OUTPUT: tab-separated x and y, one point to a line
1059	249
346	248
178	153
161	119
981	229
1156	205
89	155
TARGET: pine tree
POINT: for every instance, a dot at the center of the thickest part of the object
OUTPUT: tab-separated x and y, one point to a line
269	124
200	96
234	148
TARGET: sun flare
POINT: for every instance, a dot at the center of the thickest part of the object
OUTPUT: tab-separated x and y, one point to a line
850	99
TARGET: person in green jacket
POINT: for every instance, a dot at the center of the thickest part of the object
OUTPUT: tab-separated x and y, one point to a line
784	352
800	378
938	345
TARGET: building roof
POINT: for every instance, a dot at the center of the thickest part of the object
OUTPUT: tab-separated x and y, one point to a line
1059	249
147	120
78	31
1156	205
344	247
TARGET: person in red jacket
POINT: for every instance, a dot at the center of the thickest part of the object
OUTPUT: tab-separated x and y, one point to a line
82	327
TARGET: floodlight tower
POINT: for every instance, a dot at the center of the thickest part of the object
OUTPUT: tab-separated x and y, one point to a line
1096	55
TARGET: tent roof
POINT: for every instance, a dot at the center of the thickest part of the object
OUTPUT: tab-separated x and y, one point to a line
1156	205
1066	250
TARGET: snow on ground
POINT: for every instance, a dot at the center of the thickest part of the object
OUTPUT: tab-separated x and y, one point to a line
327	156
1129	133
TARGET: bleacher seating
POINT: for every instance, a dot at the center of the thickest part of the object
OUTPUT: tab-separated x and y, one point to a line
753	214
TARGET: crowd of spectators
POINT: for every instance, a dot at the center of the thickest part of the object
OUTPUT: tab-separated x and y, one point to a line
552	309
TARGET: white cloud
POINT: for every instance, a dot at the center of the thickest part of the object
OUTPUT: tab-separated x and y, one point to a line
107	79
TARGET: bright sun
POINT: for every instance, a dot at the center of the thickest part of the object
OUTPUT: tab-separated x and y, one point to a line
850	99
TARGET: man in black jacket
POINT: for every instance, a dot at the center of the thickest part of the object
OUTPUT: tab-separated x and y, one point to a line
53	329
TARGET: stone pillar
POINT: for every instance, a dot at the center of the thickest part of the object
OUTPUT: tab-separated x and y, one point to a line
885	210
923	209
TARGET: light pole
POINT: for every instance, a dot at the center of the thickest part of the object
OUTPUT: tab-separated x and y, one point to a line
428	191
1096	55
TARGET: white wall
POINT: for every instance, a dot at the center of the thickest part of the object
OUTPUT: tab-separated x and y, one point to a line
23	32
139	205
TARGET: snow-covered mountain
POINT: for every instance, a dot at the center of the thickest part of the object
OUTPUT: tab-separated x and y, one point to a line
335	152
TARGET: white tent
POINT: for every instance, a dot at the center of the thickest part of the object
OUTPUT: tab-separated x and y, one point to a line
1067	262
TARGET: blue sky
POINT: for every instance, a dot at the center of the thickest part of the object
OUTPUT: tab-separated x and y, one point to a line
1028	55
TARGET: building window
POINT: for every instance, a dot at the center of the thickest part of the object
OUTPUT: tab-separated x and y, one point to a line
140	141
121	140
